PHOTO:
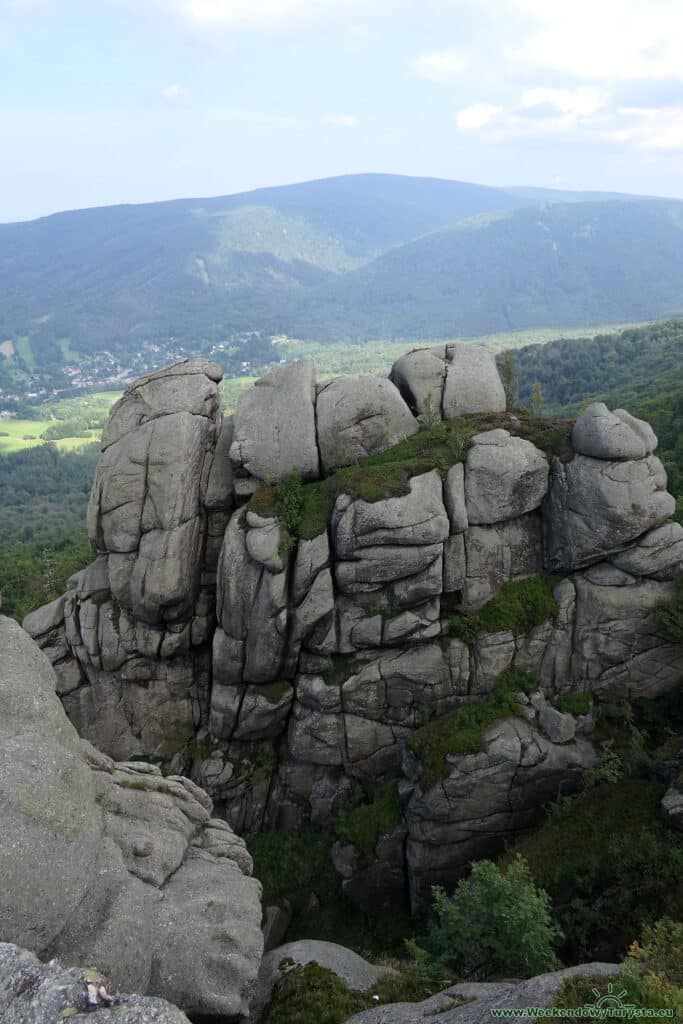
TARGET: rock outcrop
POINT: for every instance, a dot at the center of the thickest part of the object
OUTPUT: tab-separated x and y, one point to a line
282	644
35	993
472	1002
112	864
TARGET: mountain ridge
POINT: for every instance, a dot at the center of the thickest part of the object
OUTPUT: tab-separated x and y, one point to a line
354	257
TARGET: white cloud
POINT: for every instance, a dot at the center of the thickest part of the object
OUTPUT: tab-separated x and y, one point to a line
575	116
580	102
440	66
173	92
342	120
605	40
476	117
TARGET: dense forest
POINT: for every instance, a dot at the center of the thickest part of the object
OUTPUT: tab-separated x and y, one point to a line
43	496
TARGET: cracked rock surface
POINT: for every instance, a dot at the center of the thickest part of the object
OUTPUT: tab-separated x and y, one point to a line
112	864
282	660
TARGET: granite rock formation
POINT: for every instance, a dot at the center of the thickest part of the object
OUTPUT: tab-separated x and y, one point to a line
113	865
270	603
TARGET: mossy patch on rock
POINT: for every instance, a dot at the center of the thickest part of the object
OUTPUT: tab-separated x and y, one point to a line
305	508
517	607
573	703
460	731
311	994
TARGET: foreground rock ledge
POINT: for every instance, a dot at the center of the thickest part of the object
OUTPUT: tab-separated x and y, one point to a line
111	864
35	993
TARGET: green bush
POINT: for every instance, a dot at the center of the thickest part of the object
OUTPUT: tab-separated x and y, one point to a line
610	865
365	825
293	865
460	731
311	994
650	979
496	924
573	703
518	606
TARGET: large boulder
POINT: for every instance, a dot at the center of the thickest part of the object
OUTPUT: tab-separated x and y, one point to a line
485	797
596	508
472	381
420	376
146	506
112	864
612	435
449	380
274	430
358	416
356	972
505	477
36	993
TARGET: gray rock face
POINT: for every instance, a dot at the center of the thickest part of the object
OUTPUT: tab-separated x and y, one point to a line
472	381
505	477
113	864
283	671
35	993
450	380
485	798
275	427
472	1002
359	416
129	641
595	508
420	376
612	435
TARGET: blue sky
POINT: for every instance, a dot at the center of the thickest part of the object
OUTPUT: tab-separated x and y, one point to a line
112	101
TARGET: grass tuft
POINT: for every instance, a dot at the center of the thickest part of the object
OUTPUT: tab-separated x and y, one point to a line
460	731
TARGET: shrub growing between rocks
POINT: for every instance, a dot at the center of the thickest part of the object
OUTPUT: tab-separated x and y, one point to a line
496	924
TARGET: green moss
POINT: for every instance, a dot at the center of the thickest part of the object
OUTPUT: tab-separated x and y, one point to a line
274	692
573	703
518	606
305	508
128	784
310	994
460	731
365	825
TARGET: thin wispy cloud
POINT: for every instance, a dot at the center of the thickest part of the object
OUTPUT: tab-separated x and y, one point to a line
579	116
439	66
174	92
342	120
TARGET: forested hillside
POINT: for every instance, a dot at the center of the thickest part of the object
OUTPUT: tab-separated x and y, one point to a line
43	497
96	296
640	370
567	264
